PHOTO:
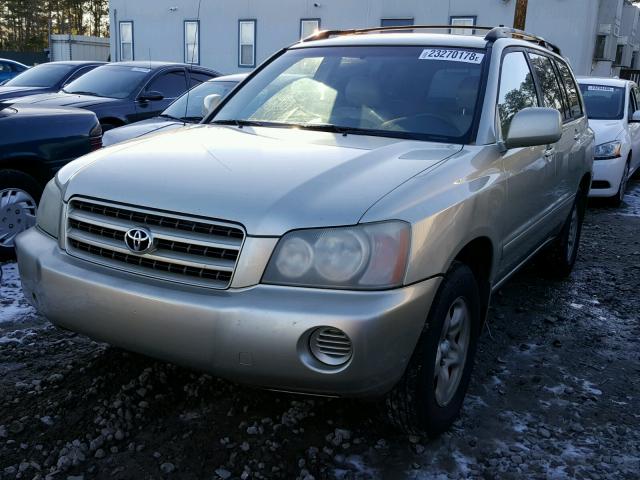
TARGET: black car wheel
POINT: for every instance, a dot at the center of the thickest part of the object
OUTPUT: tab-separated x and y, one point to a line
429	396
19	196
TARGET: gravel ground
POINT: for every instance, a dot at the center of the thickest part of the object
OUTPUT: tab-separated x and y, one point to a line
555	394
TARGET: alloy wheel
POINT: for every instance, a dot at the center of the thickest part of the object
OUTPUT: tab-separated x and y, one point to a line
452	351
17	213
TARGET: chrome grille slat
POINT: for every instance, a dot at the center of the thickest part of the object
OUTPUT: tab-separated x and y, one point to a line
187	250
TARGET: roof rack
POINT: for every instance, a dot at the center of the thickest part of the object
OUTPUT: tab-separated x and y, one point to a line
494	33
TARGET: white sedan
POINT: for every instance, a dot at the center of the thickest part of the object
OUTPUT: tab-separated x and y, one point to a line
613	109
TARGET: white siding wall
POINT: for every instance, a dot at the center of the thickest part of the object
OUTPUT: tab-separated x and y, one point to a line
158	24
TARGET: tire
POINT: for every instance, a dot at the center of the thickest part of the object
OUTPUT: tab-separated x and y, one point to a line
416	404
618	198
19	196
560	258
108	126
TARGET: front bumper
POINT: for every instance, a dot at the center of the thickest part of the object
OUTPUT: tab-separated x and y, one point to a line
256	335
609	171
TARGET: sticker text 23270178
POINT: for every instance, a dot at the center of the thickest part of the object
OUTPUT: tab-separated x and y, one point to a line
449	55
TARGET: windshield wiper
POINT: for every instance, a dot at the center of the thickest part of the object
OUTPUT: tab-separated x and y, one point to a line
244	123
330	127
80	92
170	117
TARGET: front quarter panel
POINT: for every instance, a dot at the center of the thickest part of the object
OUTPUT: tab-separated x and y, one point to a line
460	200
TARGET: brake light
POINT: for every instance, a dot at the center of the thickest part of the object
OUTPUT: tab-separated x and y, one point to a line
95	137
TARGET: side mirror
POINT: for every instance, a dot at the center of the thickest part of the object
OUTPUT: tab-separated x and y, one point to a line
635	117
534	126
150	96
210	102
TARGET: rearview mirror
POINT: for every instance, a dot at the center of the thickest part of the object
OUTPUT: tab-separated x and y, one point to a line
636	116
210	103
150	96
534	126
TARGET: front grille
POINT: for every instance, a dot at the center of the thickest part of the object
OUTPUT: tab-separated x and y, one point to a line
330	346
187	250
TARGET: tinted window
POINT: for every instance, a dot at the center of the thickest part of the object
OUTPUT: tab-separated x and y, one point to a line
45	75
191	107
5	67
603	102
548	82
197	78
517	90
632	105
170	84
113	81
571	89
392	91
78	73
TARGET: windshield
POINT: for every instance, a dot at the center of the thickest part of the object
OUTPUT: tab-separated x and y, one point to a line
406	92
194	110
44	75
114	81
603	102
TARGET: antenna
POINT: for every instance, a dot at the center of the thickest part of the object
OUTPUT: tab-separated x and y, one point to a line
187	78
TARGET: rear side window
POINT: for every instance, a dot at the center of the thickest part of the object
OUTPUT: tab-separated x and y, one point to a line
575	107
547	82
170	84
517	90
197	78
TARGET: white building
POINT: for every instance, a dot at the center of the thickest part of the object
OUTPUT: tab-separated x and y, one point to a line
598	36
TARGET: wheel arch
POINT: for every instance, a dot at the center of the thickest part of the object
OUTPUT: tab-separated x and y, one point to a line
479	254
29	164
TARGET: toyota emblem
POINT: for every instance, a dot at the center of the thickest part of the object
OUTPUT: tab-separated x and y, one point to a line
138	240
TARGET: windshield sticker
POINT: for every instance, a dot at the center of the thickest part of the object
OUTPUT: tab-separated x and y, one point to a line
451	55
598	88
138	69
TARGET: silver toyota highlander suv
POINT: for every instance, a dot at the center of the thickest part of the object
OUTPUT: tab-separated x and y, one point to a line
336	226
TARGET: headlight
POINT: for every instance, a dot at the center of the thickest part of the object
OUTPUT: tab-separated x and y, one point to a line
607	151
366	257
50	208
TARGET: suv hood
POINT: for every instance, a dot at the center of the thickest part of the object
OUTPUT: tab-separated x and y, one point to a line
606	130
62	99
270	180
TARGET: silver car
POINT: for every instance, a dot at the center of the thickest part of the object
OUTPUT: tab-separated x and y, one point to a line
336	226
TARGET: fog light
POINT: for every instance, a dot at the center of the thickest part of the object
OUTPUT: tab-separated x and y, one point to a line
330	346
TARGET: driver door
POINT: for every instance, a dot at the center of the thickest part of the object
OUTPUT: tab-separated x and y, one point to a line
170	84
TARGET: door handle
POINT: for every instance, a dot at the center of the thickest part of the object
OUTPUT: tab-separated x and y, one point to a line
577	136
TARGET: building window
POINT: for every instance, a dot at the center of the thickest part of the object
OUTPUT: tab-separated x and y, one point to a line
634	60
126	41
247	43
192	41
619	52
601	43
468	21
309	26
396	22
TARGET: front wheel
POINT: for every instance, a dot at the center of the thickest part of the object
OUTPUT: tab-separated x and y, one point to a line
430	394
19	196
618	198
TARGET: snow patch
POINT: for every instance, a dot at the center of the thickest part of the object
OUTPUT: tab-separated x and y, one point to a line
13	305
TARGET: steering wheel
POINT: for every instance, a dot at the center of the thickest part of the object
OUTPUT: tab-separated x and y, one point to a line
441	122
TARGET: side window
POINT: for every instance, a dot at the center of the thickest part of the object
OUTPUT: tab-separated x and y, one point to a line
632	104
4	67
572	90
636	96
170	84
517	90
547	82
197	78
78	73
